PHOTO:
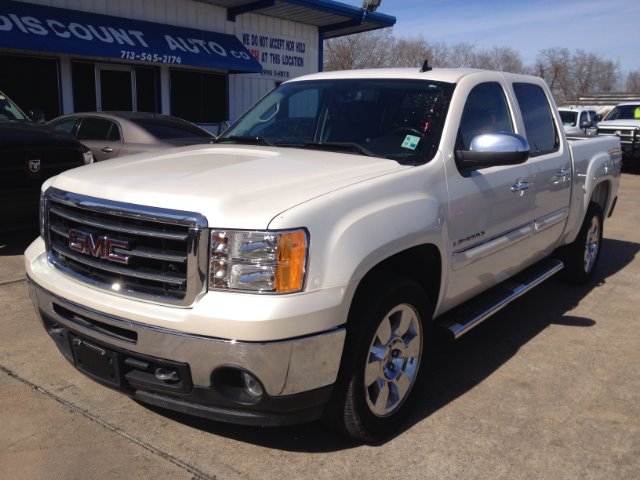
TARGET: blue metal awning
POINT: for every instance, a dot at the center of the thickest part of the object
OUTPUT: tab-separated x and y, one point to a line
39	28
333	19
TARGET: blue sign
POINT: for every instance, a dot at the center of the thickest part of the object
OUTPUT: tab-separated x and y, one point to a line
27	26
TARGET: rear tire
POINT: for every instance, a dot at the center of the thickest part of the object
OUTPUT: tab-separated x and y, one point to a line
389	338
581	257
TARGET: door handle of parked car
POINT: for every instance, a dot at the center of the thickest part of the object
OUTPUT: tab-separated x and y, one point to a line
520	186
563	172
107	149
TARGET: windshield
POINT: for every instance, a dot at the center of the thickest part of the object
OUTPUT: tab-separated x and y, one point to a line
9	110
167	130
389	118
624	112
569	119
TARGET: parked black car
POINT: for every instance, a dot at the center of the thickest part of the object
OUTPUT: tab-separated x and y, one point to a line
29	154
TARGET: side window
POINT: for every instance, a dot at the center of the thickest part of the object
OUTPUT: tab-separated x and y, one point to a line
486	111
66	125
538	120
97	129
583	118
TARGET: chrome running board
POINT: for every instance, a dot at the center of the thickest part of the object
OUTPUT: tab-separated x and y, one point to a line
464	317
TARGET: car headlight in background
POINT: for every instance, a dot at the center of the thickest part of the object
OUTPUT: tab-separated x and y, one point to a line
258	261
87	154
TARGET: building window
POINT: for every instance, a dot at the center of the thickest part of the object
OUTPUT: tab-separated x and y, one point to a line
32	83
124	88
199	97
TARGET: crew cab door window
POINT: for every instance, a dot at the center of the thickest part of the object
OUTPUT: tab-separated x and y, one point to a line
486	111
550	167
538	119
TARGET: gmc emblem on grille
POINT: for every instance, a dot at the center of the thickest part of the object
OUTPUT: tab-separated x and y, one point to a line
100	247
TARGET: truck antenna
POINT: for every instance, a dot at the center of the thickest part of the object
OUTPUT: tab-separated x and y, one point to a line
425	66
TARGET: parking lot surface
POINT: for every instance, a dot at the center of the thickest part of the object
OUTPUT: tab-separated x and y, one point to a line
549	388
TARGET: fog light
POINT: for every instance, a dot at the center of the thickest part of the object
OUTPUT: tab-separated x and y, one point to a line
252	385
165	375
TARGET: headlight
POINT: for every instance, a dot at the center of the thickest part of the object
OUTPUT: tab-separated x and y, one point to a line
269	262
87	154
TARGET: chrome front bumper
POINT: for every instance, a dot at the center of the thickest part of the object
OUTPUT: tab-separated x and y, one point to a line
284	368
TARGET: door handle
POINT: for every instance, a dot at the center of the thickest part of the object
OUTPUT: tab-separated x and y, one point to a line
520	186
563	172
107	149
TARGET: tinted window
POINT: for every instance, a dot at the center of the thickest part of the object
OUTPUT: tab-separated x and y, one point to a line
9	111
98	129
165	130
64	124
538	120
583	118
569	119
486	111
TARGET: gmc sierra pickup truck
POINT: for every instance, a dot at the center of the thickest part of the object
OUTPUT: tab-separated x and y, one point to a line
298	268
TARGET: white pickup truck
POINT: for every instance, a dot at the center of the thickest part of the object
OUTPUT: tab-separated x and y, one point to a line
297	269
624	122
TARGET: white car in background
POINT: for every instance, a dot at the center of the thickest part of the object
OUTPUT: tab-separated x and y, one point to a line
578	121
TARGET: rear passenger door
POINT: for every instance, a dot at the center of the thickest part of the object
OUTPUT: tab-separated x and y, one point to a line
102	136
549	167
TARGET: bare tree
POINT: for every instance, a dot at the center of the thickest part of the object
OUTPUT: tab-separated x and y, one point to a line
504	59
632	83
569	75
372	49
553	65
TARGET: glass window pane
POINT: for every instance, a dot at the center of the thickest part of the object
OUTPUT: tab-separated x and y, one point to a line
538	120
94	129
486	111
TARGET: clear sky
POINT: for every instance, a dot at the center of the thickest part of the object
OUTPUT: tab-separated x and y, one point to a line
609	28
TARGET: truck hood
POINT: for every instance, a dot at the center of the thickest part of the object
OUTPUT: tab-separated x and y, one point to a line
233	186
619	123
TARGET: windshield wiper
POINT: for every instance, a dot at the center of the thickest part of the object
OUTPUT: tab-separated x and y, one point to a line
340	146
251	140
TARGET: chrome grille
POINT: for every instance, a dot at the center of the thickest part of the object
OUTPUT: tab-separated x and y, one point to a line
165	250
626	134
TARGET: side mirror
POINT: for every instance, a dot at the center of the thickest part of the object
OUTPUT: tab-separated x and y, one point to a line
36	116
494	149
222	127
585	125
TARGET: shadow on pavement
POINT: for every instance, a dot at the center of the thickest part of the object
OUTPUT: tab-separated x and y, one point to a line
458	366
16	242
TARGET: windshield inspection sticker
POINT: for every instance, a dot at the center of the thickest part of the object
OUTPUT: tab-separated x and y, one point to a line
410	142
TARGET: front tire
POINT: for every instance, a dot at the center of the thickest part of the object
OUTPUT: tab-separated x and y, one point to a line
389	337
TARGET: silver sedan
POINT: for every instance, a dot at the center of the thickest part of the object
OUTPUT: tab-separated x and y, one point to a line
115	134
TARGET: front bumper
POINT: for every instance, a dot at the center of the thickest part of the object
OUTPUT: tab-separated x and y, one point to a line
296	374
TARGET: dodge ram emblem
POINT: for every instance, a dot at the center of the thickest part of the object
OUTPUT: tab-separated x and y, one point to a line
99	247
34	165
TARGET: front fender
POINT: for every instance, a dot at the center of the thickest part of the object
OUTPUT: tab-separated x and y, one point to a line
354	229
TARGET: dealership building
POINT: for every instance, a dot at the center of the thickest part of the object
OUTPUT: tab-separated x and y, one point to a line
203	60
